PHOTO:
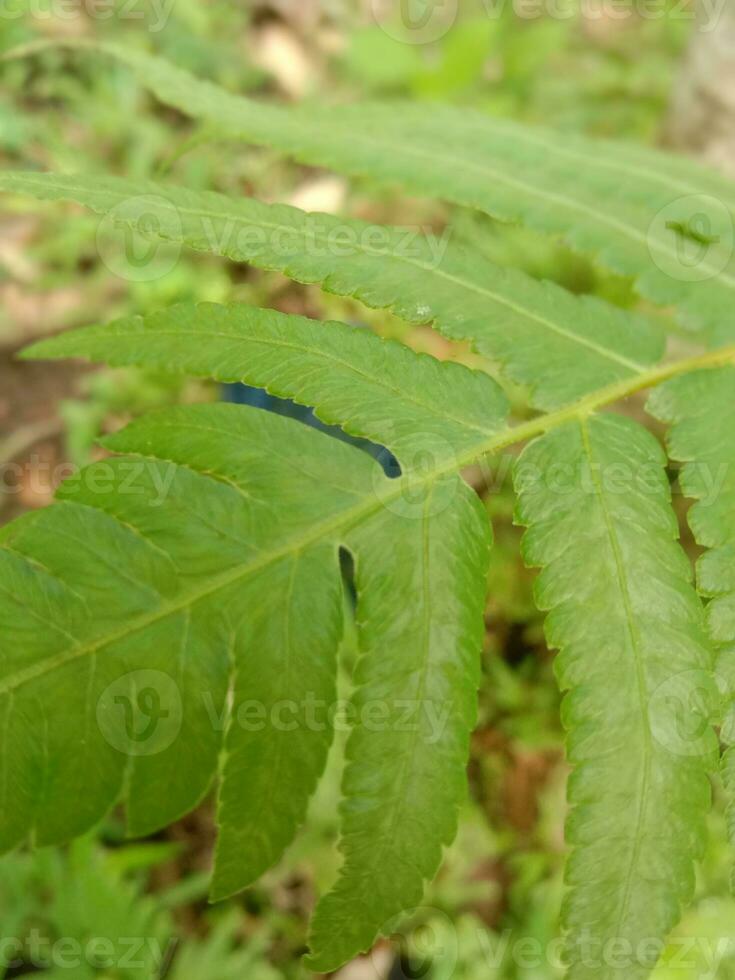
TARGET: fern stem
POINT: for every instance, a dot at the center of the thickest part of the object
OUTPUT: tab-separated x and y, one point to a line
347	519
578	410
591	403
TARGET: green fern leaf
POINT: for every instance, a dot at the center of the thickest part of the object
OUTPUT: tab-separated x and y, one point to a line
427	554
559	345
218	532
208	553
702	438
632	644
373	388
143	576
665	221
182	601
392	828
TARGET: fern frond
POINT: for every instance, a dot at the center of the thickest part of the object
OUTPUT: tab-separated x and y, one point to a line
197	575
665	221
630	632
419	673
143	573
559	345
168	581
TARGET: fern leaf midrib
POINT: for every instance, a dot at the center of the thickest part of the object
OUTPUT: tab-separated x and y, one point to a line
389	835
129	763
232	575
10	702
39	806
88	696
639	673
424	267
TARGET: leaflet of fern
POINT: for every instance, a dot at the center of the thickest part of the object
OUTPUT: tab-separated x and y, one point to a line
200	552
630	633
377	389
666	221
420	619
559	345
702	437
146	567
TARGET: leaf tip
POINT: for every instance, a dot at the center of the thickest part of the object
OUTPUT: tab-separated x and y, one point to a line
39	351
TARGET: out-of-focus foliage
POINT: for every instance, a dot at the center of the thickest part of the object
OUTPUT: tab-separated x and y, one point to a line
575	64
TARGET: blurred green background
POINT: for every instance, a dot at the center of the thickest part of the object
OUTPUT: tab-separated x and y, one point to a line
139	909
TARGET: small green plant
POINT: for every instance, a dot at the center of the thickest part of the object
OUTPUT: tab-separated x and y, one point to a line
84	912
176	615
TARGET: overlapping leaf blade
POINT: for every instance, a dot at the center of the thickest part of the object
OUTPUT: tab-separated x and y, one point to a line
215	587
559	345
274	751
633	648
420	621
377	389
702	437
666	221
208	556
126	602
